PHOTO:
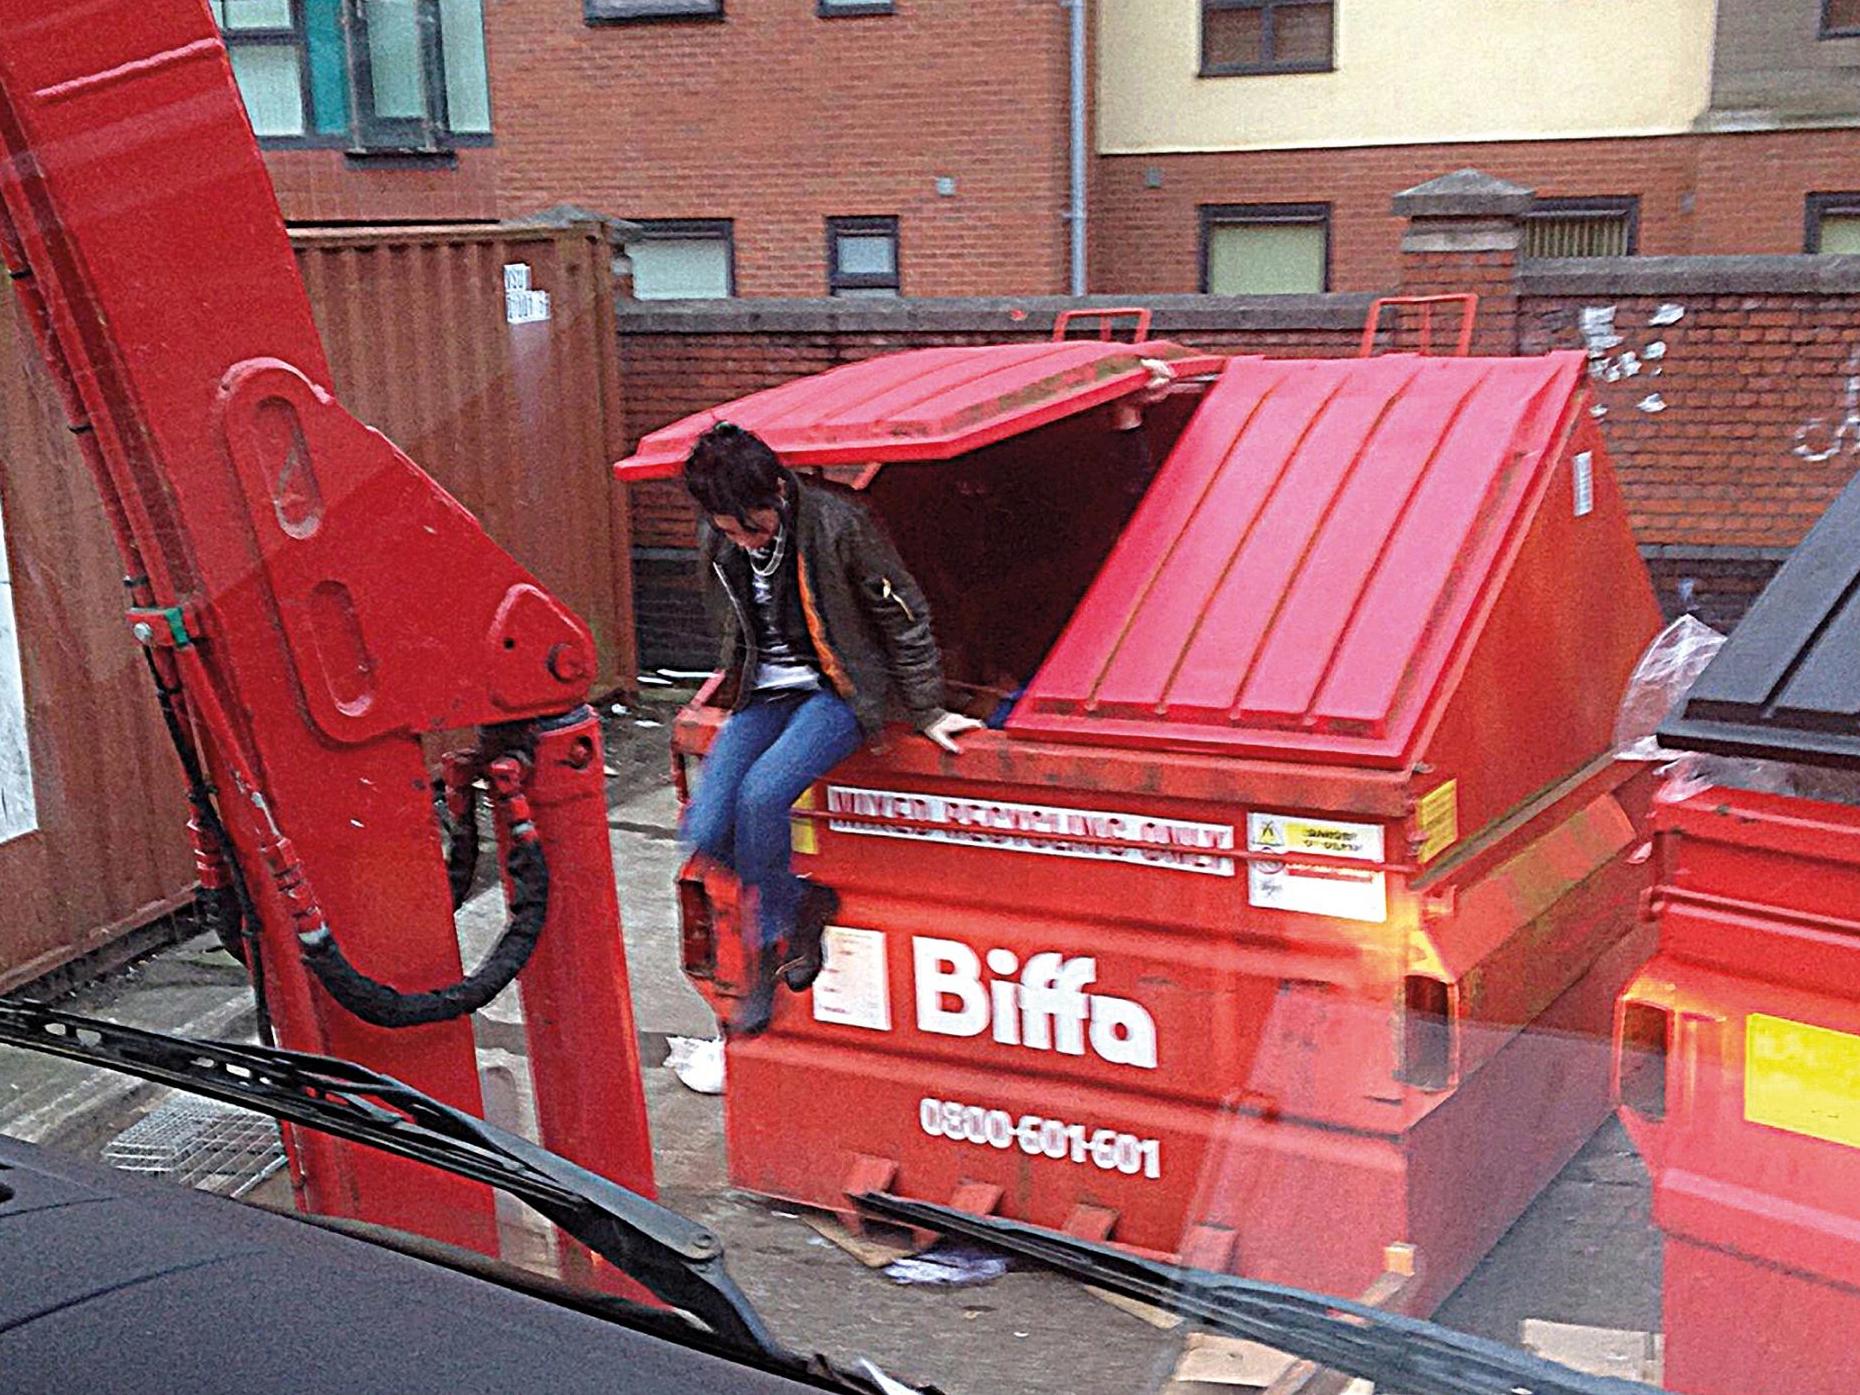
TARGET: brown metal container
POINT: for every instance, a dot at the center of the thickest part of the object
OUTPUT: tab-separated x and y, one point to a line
109	851
515	414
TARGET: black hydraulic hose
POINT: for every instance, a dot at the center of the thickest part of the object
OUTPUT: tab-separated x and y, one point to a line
383	1005
461	845
219	907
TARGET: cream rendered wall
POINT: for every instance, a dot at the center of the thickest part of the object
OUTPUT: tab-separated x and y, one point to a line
1409	72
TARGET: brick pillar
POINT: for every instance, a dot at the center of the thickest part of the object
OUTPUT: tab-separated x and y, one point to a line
1464	233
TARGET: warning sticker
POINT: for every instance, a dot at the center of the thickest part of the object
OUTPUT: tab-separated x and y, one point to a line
854	990
803	837
1438	814
1316	889
1802	1078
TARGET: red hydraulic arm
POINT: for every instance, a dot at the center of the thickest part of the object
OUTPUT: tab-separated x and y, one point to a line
311	603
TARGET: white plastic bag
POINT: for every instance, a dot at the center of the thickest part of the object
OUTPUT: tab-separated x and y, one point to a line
1660	682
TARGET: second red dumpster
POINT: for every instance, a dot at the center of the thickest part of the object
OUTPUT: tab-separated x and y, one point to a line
1739	1044
1282	919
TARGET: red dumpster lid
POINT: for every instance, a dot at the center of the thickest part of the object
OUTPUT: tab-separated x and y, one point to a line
1305	572
924	404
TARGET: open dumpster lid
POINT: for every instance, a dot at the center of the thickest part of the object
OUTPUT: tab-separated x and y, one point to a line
1311	561
1786	684
924	404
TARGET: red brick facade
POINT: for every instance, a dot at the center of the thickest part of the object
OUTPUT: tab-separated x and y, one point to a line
778	118
326	186
1699	195
1746	423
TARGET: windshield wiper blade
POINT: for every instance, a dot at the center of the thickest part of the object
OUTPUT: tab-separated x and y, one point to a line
675	1258
1402	1355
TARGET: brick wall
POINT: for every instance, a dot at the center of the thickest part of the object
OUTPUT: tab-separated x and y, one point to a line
327	186
1731	402
778	118
1699	194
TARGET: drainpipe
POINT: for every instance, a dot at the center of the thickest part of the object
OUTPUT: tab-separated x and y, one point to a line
1075	215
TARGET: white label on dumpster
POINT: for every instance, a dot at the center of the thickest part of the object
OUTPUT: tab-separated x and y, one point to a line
853	990
1317	889
1585	483
1175	844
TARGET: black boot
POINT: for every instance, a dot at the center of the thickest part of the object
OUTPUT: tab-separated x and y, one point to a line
806	955
751	1018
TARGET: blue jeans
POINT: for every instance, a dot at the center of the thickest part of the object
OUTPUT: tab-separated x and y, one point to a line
763	760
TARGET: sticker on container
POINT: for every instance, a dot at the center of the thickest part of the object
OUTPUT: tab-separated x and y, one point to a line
854	989
1438	814
1802	1078
1585	483
1316	889
803	837
1051	831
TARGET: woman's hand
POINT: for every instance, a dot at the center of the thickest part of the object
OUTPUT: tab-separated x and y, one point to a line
945	729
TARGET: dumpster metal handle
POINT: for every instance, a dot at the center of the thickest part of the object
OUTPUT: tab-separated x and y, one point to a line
1105	319
1469	311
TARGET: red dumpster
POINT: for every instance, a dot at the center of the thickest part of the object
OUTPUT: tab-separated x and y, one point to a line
1738	1046
1283	918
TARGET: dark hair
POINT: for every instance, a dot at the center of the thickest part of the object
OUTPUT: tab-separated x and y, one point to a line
731	471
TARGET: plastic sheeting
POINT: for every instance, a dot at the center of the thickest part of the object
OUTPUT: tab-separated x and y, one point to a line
1661	680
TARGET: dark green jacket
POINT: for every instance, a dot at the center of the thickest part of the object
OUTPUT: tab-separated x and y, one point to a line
857	608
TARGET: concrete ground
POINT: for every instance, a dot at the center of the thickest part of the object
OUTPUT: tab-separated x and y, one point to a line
1585	1252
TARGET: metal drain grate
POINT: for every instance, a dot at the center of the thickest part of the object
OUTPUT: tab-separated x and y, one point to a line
200	1143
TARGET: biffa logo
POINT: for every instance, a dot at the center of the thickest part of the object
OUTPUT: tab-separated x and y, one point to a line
1045	1009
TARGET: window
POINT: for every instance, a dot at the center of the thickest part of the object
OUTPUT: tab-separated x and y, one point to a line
623	11
1597	227
1833	223
1840	19
1266	36
18	813
830	8
862	257
1265	249
683	259
371	74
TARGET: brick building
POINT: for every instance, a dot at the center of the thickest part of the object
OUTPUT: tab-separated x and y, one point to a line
1251	145
765	147
919	147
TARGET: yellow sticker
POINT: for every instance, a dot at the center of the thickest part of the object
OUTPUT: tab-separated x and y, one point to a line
1438	814
1802	1078
803	837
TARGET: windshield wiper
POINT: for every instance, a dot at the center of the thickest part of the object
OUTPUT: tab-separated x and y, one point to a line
1401	1355
675	1258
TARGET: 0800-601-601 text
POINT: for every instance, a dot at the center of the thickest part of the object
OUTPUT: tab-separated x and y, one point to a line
1040	1137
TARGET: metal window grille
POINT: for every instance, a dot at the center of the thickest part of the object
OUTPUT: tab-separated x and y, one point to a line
1581	234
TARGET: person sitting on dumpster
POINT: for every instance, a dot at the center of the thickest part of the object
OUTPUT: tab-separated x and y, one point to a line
824	636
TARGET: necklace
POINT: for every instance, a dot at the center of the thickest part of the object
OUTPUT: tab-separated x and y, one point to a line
777	550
